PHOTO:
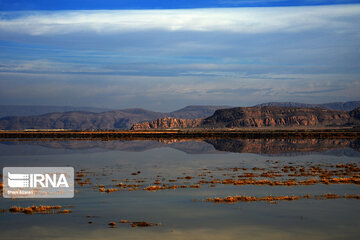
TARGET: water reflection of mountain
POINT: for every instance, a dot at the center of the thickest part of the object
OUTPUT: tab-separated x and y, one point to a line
339	147
288	146
63	146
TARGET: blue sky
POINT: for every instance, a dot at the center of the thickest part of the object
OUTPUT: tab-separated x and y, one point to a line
155	4
164	55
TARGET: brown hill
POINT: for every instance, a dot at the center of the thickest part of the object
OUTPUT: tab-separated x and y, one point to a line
276	117
256	117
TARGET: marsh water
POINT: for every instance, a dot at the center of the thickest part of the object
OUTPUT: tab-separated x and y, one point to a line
203	168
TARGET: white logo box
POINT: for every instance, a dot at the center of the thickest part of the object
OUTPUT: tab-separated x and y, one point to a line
38	182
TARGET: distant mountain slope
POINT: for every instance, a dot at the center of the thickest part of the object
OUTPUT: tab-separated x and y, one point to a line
344	106
255	117
121	119
195	111
30	110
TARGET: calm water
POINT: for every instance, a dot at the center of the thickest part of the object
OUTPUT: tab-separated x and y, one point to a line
183	213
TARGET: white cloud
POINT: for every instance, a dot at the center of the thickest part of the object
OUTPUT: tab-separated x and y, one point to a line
242	20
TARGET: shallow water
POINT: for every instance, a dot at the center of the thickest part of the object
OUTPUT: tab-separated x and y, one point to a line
183	213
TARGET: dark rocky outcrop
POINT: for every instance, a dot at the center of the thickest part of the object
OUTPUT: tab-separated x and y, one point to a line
355	113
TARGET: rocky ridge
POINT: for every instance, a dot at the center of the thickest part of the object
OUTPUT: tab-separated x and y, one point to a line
257	117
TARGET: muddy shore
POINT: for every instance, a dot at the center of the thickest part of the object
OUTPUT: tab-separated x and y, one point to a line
346	133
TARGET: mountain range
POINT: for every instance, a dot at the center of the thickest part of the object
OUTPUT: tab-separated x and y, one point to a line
80	118
117	119
194	111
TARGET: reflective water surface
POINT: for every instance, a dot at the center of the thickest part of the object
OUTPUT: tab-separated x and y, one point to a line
112	176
